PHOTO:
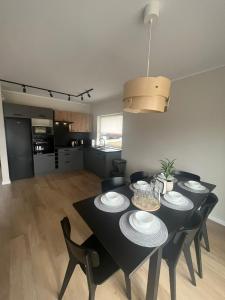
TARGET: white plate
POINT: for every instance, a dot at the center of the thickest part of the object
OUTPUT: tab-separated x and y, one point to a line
141	185
153	227
175	198
194	185
112	199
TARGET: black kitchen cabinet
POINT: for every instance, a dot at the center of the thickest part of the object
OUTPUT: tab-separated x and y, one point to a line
44	163
70	159
19	147
24	111
100	162
16	110
41	113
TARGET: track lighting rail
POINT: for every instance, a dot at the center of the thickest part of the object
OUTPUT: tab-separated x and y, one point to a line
51	92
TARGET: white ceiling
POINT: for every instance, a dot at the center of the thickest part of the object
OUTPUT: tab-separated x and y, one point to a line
75	45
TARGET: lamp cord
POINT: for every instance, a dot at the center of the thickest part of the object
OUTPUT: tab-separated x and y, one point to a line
149	47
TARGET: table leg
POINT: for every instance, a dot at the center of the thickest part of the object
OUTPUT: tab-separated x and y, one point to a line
153	275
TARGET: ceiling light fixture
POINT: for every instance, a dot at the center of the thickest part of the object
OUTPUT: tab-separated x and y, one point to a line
68	97
89	96
145	94
82	98
24	89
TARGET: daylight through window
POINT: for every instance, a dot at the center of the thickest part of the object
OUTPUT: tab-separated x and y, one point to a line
110	129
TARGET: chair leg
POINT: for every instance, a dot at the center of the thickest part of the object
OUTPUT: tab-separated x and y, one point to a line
172	272
205	237
70	268
198	255
128	286
92	289
187	255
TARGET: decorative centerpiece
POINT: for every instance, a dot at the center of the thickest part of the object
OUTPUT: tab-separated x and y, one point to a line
148	200
166	178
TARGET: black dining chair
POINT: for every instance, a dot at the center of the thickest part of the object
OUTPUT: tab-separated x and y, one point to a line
112	183
140	175
187	175
181	241
93	259
206	209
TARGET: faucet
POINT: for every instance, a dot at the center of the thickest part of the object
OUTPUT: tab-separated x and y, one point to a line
100	142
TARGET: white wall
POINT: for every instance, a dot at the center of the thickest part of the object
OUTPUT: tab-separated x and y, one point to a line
192	131
42	101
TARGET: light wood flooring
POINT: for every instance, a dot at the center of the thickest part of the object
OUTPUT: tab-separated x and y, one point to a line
33	256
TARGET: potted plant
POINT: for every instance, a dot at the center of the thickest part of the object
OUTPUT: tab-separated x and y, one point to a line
167	168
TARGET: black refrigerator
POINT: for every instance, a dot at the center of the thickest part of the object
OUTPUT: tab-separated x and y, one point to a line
19	148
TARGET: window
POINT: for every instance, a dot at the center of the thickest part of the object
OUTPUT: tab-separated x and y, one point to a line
110	129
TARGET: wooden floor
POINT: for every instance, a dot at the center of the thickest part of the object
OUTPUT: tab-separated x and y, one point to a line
33	255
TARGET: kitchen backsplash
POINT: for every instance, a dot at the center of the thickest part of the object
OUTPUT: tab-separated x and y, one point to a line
63	136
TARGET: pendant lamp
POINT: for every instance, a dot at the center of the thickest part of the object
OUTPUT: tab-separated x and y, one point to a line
146	94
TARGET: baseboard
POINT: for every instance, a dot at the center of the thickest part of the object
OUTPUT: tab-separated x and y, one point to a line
217	220
4	182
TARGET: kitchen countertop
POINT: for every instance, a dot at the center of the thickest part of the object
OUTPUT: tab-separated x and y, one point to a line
102	149
68	147
105	149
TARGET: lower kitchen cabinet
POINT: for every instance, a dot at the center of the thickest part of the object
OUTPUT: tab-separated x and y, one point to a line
70	159
100	162
44	163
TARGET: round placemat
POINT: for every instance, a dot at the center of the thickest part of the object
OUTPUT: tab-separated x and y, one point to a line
112	209
183	186
187	206
155	239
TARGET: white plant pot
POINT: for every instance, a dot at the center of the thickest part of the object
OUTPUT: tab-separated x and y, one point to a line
169	186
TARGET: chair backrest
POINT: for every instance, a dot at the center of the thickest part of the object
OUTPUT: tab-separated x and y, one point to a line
187	175
80	254
208	206
112	183
140	175
173	248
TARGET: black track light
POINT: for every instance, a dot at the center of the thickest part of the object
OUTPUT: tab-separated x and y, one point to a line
50	93
24	89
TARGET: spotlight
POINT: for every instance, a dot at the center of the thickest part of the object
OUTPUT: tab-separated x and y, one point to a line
68	97
82	98
56	123
89	96
24	89
50	93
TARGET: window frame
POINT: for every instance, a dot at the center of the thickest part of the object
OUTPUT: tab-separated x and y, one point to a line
99	126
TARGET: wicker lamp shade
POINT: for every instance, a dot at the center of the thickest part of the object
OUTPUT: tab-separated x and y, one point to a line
145	94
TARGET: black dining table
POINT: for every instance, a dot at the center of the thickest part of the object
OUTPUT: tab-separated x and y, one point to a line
125	253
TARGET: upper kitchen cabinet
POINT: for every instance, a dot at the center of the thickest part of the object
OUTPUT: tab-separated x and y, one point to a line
62	116
41	113
15	110
80	122
25	111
